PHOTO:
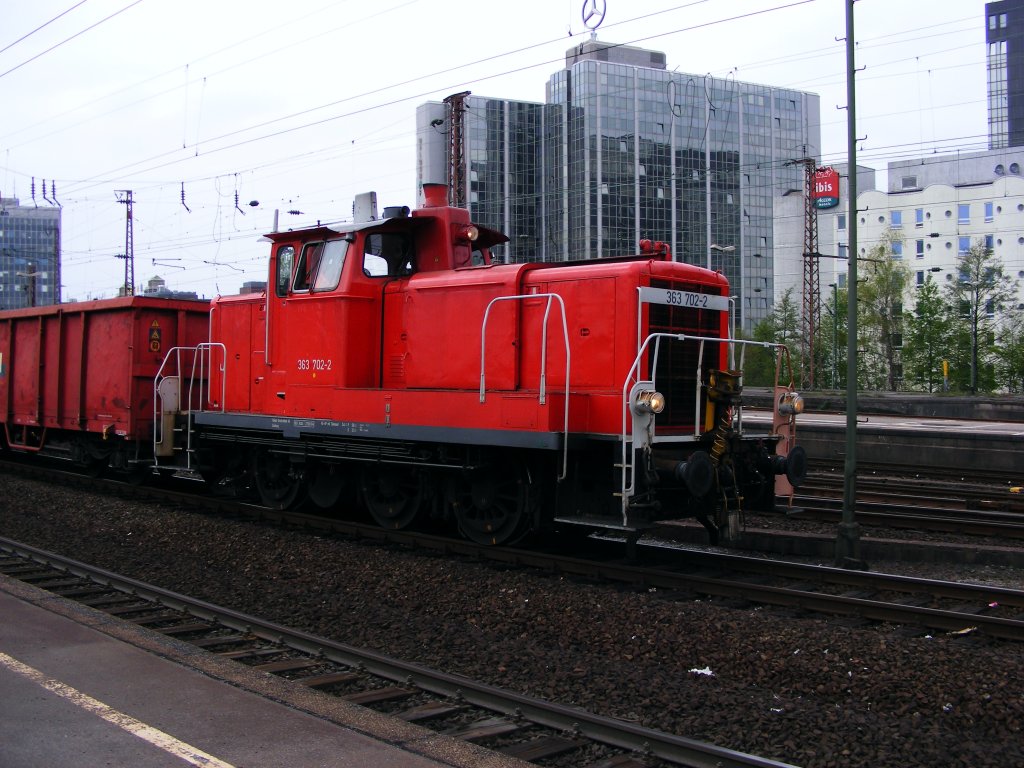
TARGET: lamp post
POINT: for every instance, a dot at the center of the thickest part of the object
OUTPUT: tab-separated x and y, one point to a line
974	310
31	274
732	331
725	249
835	329
929	340
719	249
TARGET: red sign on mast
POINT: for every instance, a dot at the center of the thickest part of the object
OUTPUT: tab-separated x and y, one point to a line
825	192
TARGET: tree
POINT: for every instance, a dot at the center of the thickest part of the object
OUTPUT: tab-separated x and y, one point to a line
1010	353
979	297
880	313
781	327
833	354
927	337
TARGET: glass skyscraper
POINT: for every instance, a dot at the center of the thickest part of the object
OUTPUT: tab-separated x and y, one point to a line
29	255
1004	36
624	149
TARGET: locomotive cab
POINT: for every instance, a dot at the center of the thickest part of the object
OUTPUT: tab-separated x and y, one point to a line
330	286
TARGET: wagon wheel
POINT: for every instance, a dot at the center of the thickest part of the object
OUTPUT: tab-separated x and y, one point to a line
140	475
278	480
492	505
393	495
91	461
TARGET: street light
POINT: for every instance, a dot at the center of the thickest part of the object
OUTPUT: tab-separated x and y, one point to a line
32	274
720	249
835	329
973	309
929	346
732	331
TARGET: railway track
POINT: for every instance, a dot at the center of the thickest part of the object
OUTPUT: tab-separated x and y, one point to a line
972	483
924	603
915	503
529	729
505	603
916	603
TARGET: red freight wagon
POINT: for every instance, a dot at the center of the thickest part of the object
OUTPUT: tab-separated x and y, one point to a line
76	380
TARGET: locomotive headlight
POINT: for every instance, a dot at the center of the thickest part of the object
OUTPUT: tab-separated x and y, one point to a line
790	404
649	401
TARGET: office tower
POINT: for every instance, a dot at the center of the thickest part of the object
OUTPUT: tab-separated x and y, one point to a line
624	149
29	255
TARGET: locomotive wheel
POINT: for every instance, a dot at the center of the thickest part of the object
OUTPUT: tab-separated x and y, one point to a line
492	506
393	496
278	480
325	484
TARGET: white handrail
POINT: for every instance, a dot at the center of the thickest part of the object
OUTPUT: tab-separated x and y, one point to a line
199	375
628	483
543	360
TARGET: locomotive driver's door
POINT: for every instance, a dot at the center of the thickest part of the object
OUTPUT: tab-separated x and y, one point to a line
268	363
315	327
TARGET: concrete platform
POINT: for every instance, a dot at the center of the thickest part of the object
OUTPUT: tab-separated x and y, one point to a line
81	688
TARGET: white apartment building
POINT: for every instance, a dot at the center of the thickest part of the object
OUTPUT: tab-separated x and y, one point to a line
940	221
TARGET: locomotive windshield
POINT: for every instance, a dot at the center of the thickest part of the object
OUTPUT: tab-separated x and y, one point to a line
328	274
305	271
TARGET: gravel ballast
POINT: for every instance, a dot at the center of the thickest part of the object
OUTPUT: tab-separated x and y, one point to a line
804	689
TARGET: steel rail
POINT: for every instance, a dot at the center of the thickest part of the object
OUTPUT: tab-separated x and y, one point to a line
978	475
608	567
903	504
606	730
940	520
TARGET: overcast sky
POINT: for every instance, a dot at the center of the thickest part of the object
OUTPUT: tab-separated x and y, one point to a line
300	105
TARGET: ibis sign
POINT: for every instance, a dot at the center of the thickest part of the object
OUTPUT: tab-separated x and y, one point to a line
825	192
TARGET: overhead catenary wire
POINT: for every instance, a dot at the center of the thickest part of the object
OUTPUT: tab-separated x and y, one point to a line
372	92
69	39
417	96
42	26
191	178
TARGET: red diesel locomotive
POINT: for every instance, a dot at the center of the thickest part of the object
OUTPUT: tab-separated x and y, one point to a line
395	362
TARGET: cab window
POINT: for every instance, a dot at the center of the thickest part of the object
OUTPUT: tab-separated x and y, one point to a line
305	272
388	254
469	256
285	263
331	261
